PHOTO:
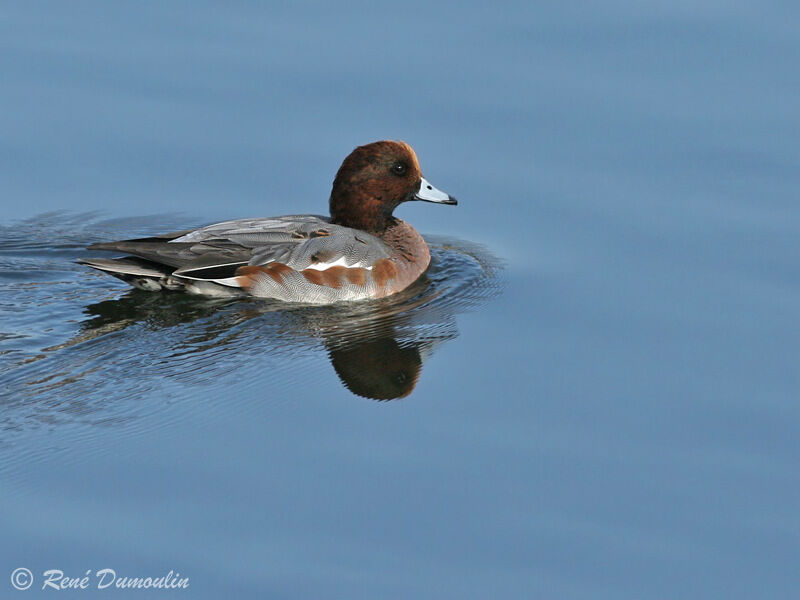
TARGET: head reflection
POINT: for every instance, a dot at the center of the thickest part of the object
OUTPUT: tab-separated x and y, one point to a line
380	369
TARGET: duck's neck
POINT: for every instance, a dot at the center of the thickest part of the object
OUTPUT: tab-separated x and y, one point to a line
360	210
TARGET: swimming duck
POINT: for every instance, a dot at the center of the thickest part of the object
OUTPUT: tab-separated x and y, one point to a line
361	251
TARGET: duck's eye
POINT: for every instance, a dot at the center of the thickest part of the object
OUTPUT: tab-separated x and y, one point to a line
399	169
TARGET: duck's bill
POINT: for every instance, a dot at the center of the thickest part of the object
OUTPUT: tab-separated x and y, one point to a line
428	193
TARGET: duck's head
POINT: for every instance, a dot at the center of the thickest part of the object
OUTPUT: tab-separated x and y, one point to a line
373	180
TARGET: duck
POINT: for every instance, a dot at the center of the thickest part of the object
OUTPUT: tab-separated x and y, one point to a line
360	252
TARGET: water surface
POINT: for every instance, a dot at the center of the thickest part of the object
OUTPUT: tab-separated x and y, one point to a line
595	387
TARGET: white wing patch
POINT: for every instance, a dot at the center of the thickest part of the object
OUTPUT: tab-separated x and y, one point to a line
228	281
339	262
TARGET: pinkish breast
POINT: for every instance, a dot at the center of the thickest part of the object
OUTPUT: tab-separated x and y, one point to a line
410	259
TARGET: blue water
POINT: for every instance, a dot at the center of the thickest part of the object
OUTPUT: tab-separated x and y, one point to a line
596	383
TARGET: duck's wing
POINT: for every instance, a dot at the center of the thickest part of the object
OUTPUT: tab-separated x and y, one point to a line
215	252
297	242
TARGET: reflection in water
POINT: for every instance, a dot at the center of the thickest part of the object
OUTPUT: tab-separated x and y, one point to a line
380	369
73	349
377	351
